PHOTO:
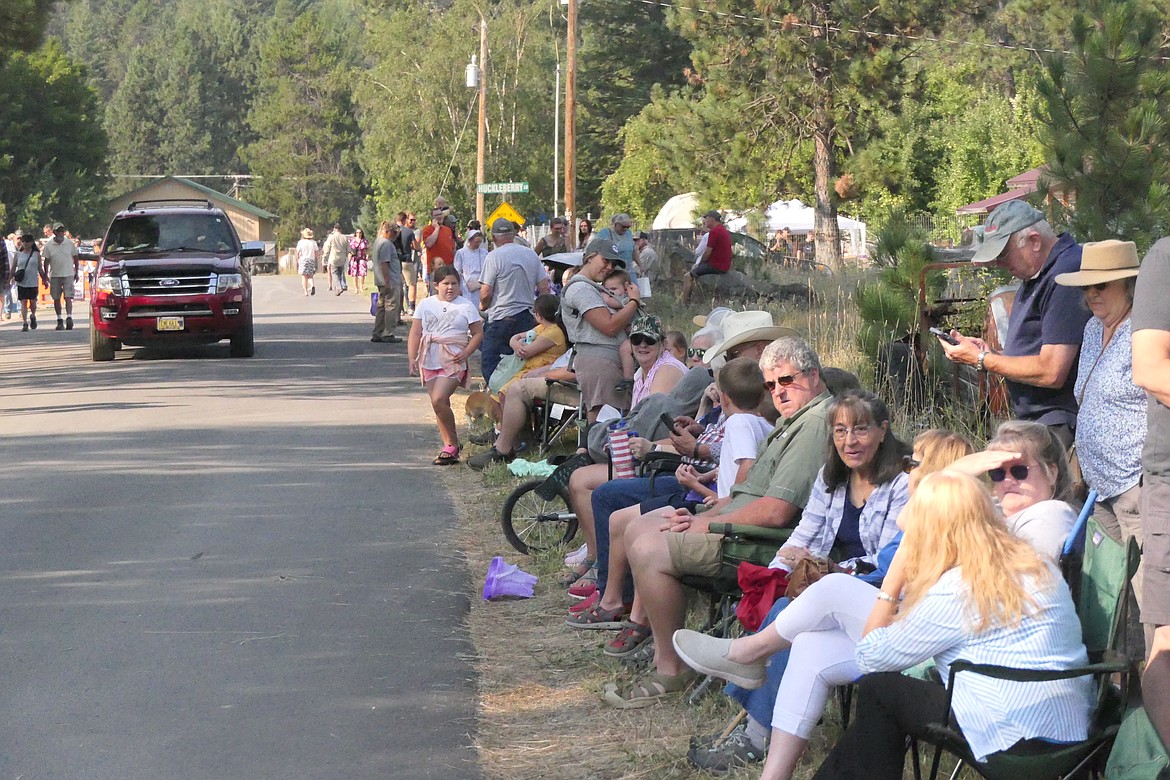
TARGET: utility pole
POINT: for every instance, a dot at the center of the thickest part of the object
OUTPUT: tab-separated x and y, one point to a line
479	154
571	119
557	141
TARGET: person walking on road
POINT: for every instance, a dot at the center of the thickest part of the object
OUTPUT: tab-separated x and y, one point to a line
359	260
388	279
334	250
26	270
59	255
307	253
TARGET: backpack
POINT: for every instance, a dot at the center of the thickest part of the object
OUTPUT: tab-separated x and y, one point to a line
1138	752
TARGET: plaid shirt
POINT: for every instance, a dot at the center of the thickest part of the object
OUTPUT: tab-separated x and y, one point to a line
712	437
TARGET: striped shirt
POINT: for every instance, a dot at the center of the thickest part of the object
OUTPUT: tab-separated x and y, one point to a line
994	714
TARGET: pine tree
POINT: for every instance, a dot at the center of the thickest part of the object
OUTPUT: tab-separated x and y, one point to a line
1107	138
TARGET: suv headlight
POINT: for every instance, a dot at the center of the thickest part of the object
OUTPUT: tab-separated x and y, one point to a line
109	283
229	282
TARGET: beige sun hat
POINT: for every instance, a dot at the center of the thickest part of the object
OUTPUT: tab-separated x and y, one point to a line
307	233
1103	261
742	327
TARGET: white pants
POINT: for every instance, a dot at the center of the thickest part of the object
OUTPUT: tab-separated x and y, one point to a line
824	626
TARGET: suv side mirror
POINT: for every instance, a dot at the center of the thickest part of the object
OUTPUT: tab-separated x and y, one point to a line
252	249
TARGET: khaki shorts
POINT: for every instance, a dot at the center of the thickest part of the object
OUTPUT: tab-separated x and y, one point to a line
61	285
697	554
1155	551
598	378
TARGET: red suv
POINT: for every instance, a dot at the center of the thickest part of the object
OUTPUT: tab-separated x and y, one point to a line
172	273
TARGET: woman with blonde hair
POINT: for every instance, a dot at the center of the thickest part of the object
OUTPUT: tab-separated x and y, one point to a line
960	586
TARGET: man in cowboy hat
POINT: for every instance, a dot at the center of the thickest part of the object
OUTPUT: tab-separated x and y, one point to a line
773	494
1047	322
1151	372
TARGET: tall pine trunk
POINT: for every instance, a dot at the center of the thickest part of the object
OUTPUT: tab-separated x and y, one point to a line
825	229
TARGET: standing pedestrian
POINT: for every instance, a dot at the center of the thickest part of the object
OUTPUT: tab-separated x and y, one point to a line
59	256
5	276
618	233
438	239
584	233
510	275
556	241
307	253
359	260
388	279
406	245
446	331
469	263
334	250
26	270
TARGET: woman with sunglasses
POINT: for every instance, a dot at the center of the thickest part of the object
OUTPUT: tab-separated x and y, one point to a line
1111	420
798	682
28	260
658	370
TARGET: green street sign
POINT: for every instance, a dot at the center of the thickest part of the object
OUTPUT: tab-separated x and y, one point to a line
502	187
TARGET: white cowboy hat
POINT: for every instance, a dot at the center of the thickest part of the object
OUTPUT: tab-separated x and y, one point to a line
742	327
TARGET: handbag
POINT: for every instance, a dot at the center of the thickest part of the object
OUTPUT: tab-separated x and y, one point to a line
806	572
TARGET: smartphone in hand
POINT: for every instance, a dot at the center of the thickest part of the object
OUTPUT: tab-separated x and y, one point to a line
945	336
668	421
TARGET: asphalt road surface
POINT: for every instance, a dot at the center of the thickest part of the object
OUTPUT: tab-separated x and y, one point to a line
217	568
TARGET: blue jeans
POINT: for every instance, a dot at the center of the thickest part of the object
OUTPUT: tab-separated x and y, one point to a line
619	494
339	277
760	702
496	336
11	305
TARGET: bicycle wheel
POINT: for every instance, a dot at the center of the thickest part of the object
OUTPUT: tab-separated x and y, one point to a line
532	523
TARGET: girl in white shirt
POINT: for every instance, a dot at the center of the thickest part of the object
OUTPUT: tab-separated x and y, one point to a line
446	331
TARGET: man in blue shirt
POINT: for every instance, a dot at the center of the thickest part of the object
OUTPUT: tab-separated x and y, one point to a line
1047	322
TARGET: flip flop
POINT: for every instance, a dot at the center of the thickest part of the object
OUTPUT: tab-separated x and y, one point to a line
445	458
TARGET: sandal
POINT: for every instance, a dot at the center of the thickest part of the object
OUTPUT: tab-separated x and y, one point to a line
598	618
648	690
585	585
629	639
639	660
570	578
445	458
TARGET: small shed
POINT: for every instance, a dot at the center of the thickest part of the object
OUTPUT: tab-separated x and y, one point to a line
251	222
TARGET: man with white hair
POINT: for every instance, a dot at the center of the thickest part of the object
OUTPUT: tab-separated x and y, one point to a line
1047	322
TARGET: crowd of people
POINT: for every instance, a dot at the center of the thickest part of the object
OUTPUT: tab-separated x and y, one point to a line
942	552
28	263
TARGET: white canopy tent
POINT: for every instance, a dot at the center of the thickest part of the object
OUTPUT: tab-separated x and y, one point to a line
681	211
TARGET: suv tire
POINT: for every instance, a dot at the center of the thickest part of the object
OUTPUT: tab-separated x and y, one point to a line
243	342
101	348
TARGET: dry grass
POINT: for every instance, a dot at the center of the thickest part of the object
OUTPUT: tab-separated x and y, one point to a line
540	709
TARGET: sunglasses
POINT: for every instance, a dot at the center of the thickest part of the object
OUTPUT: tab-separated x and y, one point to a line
909	463
693	352
1019	473
1097	287
639	340
781	381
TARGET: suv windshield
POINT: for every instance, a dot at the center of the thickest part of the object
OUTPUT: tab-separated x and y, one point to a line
170	233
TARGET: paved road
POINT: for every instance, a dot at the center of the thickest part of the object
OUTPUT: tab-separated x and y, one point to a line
216	568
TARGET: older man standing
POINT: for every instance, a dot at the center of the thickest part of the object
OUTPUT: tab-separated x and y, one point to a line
511	273
662	550
388	279
618	233
716	258
60	266
334	251
1047	322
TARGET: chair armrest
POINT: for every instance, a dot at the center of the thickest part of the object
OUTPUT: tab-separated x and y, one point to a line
1036	675
660	461
760	532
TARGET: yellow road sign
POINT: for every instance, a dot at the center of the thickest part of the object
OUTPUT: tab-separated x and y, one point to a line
506	211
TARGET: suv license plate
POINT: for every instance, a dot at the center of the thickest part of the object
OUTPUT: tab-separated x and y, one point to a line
170	323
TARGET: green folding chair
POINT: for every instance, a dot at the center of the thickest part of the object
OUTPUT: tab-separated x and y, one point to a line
1106	572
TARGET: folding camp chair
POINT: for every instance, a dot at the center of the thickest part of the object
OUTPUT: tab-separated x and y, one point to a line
1104	583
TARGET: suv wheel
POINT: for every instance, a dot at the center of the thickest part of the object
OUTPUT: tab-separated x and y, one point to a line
101	348
243	344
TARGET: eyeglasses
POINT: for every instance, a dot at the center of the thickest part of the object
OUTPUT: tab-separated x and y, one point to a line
909	463
694	352
841	432
781	381
1019	473
640	340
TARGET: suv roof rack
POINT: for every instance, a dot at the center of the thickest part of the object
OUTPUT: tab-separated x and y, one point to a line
137	204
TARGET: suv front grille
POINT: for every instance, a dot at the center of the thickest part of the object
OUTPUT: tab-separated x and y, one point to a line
178	284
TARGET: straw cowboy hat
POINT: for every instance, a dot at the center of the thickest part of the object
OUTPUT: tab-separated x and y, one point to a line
307	233
742	327
1103	261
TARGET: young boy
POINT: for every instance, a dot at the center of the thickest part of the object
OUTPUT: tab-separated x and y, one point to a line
741	384
616	283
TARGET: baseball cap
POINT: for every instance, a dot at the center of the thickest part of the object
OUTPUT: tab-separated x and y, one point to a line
1001	223
58	227
715	214
599	246
643	235
622	219
502	226
558	221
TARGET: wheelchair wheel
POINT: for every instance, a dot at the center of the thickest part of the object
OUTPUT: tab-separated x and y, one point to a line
532	523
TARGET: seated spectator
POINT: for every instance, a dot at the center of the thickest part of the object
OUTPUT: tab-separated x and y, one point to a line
1029	479
716	258
663	549
538	347
658	370
792	698
676	344
960	586
741	384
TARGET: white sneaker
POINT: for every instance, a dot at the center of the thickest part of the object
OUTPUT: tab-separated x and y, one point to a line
577	557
